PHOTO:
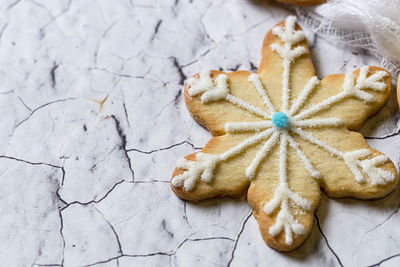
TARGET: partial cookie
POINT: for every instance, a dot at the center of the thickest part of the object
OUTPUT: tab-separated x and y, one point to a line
282	134
398	89
303	2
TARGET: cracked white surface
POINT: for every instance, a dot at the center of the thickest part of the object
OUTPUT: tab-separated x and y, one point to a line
85	182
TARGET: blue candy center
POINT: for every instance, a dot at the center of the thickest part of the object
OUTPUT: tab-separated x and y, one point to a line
280	120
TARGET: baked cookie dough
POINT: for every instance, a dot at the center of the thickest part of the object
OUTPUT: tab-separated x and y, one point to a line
281	134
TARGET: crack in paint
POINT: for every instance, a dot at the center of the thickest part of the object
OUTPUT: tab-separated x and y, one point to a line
163	148
168	253
237	238
326	240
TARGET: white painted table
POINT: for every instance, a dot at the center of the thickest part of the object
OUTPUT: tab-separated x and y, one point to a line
93	121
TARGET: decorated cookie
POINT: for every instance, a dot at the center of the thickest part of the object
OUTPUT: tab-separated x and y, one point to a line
281	134
303	2
398	89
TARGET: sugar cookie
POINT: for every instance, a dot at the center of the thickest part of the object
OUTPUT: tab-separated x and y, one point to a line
281	134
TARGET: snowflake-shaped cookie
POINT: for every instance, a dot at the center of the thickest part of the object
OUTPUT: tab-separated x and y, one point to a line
281	134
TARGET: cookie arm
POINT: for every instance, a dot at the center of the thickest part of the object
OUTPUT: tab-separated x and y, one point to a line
348	166
214	98
284	211
220	168
398	90
352	97
286	66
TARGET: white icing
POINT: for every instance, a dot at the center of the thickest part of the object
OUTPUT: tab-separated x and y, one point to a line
217	93
289	36
306	162
231	127
282	195
261	154
209	93
304	95
352	161
350	90
368	167
320	106
255	139
310	138
351	87
376	174
264	131
244	105
286	221
201	84
363	82
202	168
205	86
316	123
288	54
373	81
261	90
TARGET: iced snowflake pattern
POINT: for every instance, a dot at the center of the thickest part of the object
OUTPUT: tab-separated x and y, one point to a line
278	127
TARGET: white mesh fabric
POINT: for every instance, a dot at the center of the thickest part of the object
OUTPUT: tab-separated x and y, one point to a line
373	25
